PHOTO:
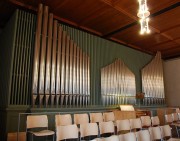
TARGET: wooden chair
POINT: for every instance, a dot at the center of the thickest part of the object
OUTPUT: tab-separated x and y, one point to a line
106	128
62	120
143	135
81	118
135	124
169	120
146	121
96	117
67	132
40	122
123	126
108	116
129	137
155	133
89	130
155	121
167	133
175	118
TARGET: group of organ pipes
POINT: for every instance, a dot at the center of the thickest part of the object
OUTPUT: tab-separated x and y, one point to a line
60	68
117	84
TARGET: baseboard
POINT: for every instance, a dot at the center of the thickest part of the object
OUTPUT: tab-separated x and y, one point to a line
13	136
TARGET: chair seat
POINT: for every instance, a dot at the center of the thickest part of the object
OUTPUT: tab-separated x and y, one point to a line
43	133
174	139
176	124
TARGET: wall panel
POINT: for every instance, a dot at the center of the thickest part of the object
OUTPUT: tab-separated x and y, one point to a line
172	81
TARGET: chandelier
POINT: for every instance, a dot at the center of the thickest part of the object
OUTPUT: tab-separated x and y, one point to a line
143	14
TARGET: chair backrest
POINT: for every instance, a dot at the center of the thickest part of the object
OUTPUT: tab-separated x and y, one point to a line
121	137
155	133
178	116
81	118
123	125
112	138
177	110
63	120
106	127
175	117
143	135
66	132
168	118
166	131
108	116
155	121
146	121
35	121
88	129
129	137
135	123
96	117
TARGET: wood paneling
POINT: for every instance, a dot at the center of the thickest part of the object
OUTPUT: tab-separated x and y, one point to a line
161	21
13	136
164	46
120	115
114	20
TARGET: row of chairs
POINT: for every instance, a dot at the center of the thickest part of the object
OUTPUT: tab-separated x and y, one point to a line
173	120
153	133
105	120
66	119
85	131
36	121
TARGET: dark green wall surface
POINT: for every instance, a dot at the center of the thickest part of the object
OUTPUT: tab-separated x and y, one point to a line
6	53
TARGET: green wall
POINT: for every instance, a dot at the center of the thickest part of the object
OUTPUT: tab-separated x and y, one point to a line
6	53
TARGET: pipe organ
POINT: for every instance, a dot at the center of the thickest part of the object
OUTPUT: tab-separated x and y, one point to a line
152	81
49	69
60	67
117	84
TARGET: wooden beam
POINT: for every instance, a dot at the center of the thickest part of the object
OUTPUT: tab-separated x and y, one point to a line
171	56
155	46
172	49
18	3
120	9
131	46
166	30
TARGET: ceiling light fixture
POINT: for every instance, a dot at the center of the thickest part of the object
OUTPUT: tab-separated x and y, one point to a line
143	14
